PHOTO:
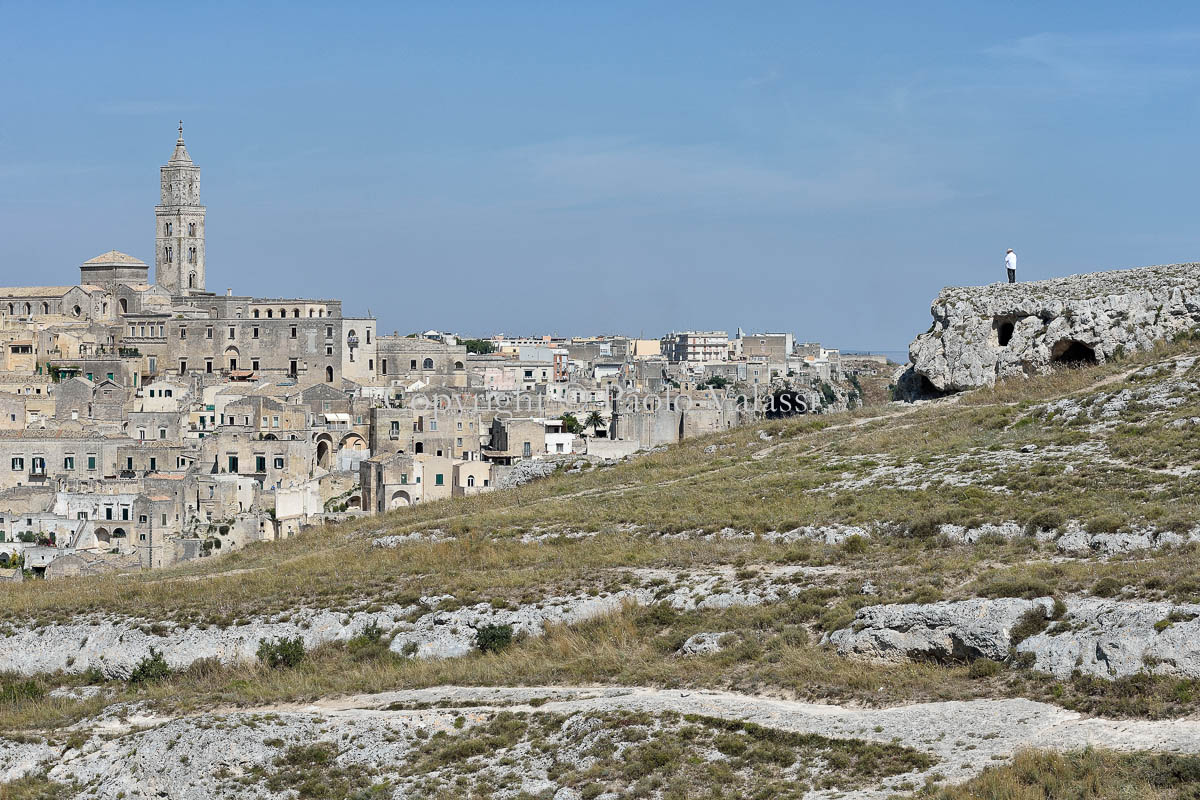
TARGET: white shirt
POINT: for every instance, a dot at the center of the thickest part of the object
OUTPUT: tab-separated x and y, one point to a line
1010	261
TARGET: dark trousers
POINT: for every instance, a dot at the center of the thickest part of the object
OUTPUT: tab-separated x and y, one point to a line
1012	276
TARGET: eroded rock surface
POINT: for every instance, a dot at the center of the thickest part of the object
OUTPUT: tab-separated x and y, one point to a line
982	333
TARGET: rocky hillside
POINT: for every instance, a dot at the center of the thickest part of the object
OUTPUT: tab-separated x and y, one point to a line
889	602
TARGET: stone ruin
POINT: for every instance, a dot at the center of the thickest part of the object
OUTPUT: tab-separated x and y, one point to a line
983	333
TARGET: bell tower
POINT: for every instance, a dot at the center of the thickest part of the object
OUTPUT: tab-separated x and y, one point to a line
179	225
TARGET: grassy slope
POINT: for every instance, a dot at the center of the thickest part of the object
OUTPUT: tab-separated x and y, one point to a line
798	477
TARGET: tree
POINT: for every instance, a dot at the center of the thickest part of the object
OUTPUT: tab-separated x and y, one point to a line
479	346
594	421
571	424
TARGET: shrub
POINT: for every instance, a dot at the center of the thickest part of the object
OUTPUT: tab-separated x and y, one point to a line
493	638
1107	587
151	669
1015	586
984	668
854	545
14	691
368	644
1031	623
1044	521
281	653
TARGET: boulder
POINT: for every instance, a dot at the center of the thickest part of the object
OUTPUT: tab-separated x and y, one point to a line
982	333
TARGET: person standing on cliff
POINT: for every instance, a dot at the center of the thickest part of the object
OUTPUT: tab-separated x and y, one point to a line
1010	264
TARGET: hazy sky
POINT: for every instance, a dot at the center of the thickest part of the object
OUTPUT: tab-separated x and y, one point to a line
576	168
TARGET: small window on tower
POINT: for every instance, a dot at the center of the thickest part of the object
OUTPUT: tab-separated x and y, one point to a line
191	229
168	229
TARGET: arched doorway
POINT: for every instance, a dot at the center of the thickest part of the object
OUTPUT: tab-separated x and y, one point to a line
419	447
400	499
124	305
354	503
324	451
329	374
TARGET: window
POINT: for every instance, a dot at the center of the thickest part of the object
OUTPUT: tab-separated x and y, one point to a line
170	255
328	350
260	463
168	229
254	332
437	479
256	313
91	462
68	462
412	364
208	365
233	463
208	332
18	463
183	333
293	331
470	480
368	335
428	364
278	462
153	464
108	512
182	366
129	462
433	424
383	365
191	255
270	313
232	333
458	442
162	433
275	421
403	477
526	450
292	367
459	426
254	365
328	331
153	364
124	513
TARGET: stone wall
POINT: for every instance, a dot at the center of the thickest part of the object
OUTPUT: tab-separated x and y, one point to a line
983	333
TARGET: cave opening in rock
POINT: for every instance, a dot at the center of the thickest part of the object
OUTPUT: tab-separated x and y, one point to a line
1004	333
1069	351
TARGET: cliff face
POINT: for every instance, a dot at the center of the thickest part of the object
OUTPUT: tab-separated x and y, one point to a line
983	333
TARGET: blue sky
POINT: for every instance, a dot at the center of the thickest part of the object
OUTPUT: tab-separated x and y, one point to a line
577	168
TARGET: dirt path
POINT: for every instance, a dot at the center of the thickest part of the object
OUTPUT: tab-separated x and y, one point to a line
964	736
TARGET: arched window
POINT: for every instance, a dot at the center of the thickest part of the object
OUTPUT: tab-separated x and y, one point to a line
320	312
191	280
191	229
11	309
191	255
458	365
427	364
470	480
282	313
168	229
329	374
270	313
419	447
295	313
256	313
45	308
124	305
170	255
76	311
310	312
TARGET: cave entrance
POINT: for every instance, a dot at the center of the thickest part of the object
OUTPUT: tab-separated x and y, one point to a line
1071	352
1002	329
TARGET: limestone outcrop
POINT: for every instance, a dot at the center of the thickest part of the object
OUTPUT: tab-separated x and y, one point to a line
1104	638
982	333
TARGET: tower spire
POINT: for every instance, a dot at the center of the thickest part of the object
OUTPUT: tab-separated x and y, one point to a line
181	130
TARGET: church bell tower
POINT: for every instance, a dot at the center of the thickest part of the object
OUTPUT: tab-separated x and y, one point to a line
179	221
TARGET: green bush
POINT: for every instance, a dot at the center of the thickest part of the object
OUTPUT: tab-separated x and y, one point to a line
281	653
151	669
984	668
1107	587
14	691
1031	623
854	545
493	638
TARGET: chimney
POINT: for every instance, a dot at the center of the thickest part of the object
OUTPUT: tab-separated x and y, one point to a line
229	292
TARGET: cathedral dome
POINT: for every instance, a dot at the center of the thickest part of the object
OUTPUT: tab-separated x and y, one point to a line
113	267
